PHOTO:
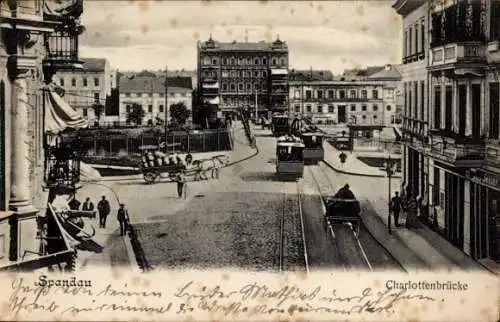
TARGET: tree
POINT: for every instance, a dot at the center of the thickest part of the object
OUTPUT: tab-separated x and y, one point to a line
179	112
136	114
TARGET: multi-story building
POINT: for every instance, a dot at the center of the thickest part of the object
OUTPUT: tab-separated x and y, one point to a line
368	100
452	134
37	39
89	87
148	90
234	75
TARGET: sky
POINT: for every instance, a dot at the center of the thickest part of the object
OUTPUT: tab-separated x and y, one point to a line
330	35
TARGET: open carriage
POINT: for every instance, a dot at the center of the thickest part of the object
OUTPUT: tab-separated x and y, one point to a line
340	211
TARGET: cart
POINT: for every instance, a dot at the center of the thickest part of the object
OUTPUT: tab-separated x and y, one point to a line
343	211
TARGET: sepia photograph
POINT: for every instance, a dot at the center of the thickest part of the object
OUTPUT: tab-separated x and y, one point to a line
208	146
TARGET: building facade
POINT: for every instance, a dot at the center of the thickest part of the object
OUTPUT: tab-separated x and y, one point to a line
368	100
148	90
33	33
90	87
452	154
248	75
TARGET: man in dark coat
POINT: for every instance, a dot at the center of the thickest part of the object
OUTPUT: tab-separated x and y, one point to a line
104	210
396	208
123	219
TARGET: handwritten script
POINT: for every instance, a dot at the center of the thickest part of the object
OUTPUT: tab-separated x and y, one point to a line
192	297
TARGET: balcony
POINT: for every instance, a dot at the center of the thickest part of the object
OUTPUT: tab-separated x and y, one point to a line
455	150
492	155
461	58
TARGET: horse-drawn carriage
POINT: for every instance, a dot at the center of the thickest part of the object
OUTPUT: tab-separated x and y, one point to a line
343	208
155	164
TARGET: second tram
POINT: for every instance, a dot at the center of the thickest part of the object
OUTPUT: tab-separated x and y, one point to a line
313	150
290	157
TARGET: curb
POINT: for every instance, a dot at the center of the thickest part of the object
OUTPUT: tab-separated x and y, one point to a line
358	174
130	254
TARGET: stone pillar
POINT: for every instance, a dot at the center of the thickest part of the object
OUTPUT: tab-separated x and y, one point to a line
468	110
467	216
24	220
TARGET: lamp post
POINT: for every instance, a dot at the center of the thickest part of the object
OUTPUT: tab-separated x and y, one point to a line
166	105
389	169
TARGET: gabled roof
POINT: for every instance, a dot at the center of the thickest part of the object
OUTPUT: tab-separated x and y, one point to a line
388	73
143	83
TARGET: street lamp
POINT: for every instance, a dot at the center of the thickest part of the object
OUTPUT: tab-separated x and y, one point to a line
390	170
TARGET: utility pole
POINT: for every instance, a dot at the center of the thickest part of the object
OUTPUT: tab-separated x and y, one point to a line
166	106
256	108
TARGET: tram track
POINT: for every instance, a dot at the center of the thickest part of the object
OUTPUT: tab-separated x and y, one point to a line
350	251
292	241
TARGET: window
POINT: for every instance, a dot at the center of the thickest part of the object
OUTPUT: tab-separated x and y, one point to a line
214	61
160	108
233	61
256	86
274	61
249	87
375	117
85	82
282	62
342	94
417	45
233	73
363	108
297	108
256	61
224	87
405	42
233	87
375	94
476	112
353	108
240	87
330	108
224	61
364	94
422	99
61	82
330	93
240	61
96	81
422	37
363	117
85	112
264	61
495	21
437	107
308	94
308	108
73	82
353	93
388	108
296	94
150	94
183	94
128	108
206	61
375	108
410	47
150	108
264	73
96	98
320	94
320	109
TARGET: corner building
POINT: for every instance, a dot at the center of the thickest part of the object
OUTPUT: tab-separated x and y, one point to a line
243	75
460	141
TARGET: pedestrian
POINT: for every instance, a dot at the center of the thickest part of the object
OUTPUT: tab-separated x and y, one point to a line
88	205
104	210
396	208
181	182
74	204
411	209
123	219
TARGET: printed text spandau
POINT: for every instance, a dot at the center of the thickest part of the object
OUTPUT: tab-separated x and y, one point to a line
189	299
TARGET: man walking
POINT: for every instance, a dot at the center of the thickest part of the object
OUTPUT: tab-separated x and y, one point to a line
396	208
181	181
88	206
104	209
123	219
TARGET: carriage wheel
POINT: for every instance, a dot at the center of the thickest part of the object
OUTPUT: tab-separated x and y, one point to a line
150	177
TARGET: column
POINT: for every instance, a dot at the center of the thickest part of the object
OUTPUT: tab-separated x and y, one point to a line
455	124
23	223
467	209
468	111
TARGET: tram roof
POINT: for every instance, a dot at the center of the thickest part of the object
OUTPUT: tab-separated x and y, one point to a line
292	144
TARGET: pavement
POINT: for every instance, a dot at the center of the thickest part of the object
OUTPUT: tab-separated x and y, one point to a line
150	208
415	249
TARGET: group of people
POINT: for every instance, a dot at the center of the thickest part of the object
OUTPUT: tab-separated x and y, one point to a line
406	204
104	209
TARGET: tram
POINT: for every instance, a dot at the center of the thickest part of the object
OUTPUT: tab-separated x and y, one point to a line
280	125
290	157
313	150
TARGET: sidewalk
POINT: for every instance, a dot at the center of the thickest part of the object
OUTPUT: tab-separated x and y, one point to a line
353	165
414	249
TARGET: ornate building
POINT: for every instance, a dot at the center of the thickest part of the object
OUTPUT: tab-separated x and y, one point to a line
368	100
452	156
38	38
235	75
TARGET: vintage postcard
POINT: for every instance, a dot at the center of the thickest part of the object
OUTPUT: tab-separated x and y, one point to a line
250	160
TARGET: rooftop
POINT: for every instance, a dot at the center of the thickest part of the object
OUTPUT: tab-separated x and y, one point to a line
93	64
310	75
244	46
149	82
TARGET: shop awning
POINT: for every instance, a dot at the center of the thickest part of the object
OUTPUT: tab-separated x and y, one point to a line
58	114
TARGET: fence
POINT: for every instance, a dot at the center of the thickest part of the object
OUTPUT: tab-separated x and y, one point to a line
375	144
180	142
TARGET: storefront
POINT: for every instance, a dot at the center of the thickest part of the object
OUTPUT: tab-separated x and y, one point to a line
485	215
